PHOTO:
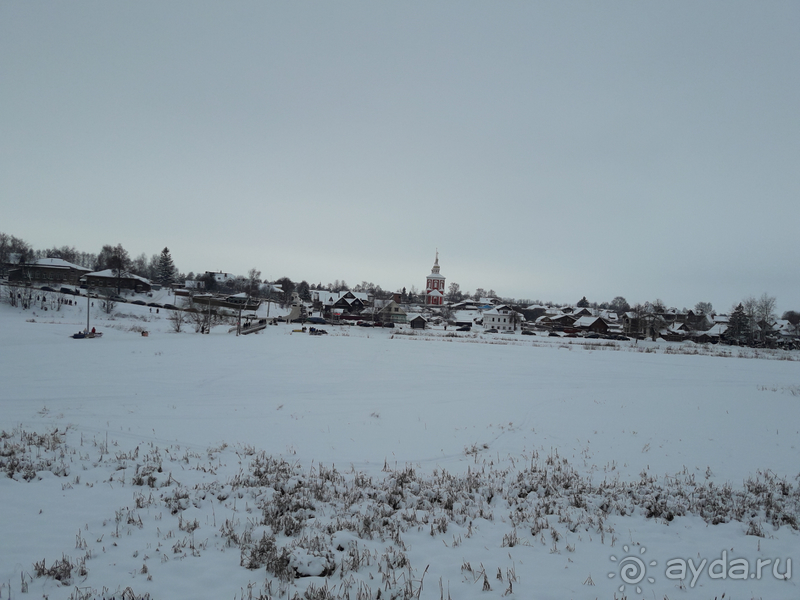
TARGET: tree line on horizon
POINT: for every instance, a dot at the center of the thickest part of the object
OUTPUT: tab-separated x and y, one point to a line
159	267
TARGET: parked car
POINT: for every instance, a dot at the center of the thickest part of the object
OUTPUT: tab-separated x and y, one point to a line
66	290
388	324
154	305
116	298
364	324
592	336
139	302
47	288
492	330
170	307
317	320
527	332
553	334
464	328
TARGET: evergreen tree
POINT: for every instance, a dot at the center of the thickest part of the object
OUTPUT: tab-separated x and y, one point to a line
166	268
304	291
583	303
288	286
738	324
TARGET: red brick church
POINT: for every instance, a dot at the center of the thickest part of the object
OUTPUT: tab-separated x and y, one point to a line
434	286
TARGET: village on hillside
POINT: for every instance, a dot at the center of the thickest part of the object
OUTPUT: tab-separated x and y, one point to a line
210	298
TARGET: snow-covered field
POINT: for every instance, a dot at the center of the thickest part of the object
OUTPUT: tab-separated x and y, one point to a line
371	463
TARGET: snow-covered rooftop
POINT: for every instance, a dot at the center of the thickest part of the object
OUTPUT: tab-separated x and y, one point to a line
60	262
112	274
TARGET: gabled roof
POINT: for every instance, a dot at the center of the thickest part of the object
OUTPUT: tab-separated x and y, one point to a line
715	331
586	321
59	262
112	274
347	296
465	304
785	327
496	310
561	317
388	303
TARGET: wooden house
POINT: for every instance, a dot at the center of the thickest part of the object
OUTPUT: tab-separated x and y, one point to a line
418	322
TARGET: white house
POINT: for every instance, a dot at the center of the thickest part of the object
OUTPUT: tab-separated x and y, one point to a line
221	277
502	318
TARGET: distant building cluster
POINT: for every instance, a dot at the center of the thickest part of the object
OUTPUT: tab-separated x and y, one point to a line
431	309
55	271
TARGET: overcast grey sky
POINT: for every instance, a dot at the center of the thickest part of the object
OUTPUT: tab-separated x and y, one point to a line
549	150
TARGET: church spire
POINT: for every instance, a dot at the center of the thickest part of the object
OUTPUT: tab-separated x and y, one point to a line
435	269
434	285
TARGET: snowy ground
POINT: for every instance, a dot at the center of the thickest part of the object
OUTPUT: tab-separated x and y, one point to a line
367	461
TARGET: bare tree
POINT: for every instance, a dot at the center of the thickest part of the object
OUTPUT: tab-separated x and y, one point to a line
253	286
11	246
108	303
704	308
177	319
18	296
619	305
454	292
651	318
750	308
139	265
765	308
